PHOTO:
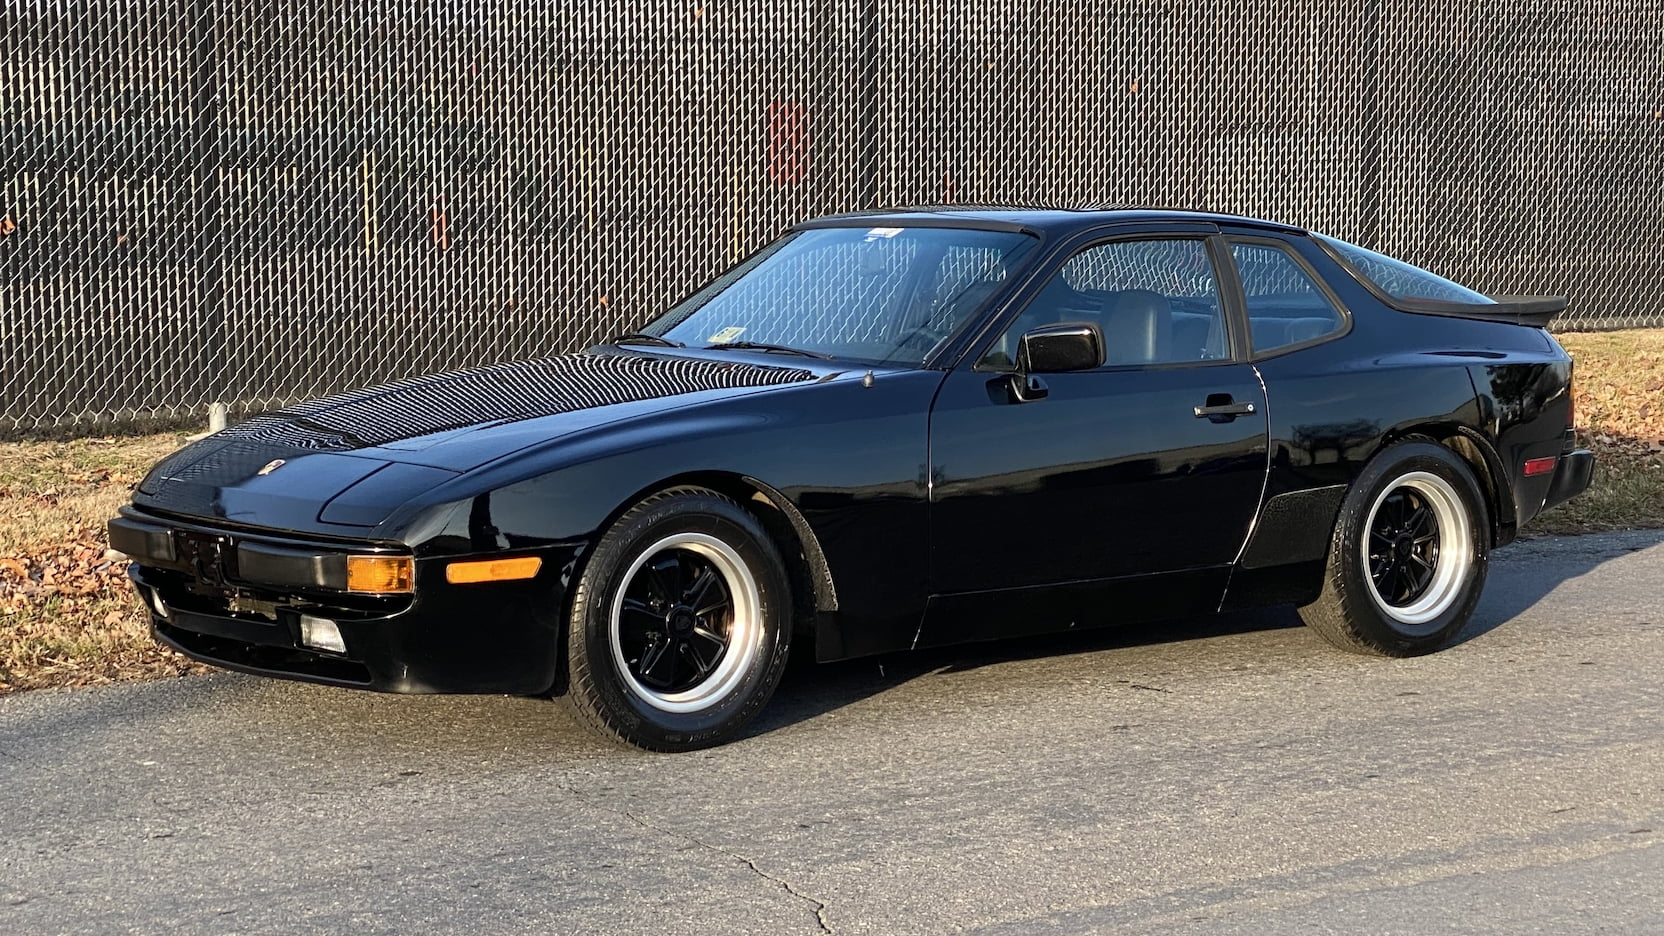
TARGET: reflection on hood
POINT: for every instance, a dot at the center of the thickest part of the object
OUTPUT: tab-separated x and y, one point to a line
496	394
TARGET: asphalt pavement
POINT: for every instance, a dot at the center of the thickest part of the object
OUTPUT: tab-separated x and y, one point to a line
1224	776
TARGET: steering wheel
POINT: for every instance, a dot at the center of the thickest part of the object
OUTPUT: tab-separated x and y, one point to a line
924	336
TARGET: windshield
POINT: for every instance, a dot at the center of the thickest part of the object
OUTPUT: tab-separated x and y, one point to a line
1400	280
882	294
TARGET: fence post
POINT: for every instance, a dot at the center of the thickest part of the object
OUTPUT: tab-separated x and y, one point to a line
866	105
1370	142
207	159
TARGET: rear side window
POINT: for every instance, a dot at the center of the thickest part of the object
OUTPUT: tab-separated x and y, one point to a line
1399	279
1285	305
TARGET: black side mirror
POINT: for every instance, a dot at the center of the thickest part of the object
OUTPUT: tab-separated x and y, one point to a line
1053	349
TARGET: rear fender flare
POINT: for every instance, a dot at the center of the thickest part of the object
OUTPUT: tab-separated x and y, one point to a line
1475	449
1482	457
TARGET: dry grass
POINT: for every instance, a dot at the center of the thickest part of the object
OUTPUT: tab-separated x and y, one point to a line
68	616
1618	387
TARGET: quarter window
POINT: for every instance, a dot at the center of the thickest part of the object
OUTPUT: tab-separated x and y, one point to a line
1285	305
1156	302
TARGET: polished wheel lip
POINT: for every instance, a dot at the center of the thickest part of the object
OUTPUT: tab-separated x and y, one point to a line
1455	554
745	629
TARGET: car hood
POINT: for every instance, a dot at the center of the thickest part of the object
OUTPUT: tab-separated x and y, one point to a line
291	467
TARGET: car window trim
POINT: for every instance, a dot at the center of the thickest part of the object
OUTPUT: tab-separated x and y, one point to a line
1233	300
964	222
1277	243
1006	315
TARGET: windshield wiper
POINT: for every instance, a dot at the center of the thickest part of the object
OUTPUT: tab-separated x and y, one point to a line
644	338
764	346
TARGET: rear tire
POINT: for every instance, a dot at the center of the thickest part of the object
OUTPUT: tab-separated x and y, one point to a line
1408	557
679	628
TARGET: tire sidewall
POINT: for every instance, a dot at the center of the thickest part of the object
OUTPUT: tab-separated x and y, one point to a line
1379	476
627	714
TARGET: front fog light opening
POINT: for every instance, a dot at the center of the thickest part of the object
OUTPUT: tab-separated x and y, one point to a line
321	634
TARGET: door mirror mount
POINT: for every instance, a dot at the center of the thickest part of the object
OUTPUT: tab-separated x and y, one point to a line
1019	388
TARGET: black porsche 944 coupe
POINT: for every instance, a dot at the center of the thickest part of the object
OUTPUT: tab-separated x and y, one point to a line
885	430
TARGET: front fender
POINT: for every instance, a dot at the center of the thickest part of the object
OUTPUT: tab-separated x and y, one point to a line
848	457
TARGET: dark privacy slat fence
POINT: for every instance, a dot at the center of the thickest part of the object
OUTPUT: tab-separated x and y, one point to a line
252	201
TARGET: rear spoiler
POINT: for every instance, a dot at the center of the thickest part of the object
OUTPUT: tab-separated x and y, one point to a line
1535	311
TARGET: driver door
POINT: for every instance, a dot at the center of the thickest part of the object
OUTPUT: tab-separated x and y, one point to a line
1119	493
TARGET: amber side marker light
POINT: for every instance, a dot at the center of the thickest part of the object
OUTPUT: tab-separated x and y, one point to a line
381	574
492	570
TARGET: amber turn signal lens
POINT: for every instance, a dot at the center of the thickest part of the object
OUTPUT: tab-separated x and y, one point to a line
381	574
492	570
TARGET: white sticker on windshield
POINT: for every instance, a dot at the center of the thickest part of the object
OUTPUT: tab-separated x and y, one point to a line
882	232
731	333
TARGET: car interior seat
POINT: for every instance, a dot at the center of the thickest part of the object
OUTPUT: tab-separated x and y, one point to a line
1138	328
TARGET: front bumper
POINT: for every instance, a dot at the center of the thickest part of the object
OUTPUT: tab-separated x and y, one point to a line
497	637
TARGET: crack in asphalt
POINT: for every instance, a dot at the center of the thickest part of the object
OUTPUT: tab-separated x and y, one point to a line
818	905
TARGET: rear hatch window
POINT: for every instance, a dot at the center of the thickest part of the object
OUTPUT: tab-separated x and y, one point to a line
1400	280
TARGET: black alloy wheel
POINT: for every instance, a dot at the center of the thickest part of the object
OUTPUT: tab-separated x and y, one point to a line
677	617
1408	556
1403	547
680	623
685	625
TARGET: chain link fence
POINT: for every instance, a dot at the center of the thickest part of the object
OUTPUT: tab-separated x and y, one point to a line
254	201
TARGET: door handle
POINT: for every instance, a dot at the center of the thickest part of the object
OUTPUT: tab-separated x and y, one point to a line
1220	408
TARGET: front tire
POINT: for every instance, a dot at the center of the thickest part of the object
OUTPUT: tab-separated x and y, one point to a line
679	628
1409	554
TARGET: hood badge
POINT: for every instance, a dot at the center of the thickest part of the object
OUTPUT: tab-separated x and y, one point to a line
271	466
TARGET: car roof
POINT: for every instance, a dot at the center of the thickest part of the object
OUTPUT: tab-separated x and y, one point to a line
1035	219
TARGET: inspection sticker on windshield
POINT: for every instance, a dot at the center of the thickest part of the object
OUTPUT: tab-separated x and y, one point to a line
731	333
882	232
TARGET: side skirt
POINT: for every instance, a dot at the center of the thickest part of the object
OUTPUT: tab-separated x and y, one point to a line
1047	609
